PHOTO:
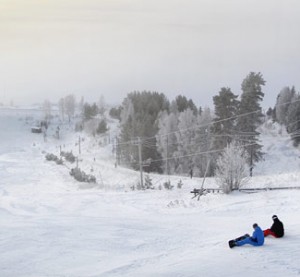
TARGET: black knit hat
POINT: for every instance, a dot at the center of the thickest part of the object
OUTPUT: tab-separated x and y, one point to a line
274	217
255	225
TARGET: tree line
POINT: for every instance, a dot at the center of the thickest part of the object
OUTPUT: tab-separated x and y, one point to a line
177	137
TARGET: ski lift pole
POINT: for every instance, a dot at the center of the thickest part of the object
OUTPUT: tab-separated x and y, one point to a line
203	181
167	161
79	146
206	170
140	162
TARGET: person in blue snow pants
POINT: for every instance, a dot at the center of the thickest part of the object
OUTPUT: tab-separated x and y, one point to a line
257	238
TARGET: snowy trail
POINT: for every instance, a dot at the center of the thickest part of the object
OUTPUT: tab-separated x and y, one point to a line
122	240
49	226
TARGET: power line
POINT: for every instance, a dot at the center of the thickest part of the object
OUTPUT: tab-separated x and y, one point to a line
197	154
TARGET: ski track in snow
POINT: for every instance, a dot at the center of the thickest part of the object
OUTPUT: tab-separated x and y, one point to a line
50	225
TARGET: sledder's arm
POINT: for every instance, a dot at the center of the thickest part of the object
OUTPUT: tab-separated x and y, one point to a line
254	236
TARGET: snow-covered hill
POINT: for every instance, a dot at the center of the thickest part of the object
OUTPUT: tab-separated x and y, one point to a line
51	225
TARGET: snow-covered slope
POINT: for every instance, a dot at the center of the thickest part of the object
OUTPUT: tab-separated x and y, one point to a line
51	225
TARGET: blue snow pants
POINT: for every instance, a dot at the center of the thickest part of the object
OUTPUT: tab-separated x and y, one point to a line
247	241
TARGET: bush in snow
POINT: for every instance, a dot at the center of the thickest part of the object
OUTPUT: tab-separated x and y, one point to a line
139	186
148	183
68	156
180	184
52	157
132	187
168	186
102	127
81	176
79	126
59	161
232	168
136	186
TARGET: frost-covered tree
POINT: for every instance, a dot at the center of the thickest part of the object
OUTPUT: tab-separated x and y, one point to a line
187	122
183	141
283	102
293	119
70	106
167	140
61	108
81	105
126	149
232	167
101	105
47	110
203	144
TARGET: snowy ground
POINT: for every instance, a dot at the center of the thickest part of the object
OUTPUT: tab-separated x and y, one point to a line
50	225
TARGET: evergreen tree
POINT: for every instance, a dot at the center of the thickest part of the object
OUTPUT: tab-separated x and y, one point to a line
89	111
139	119
250	116
102	127
183	104
226	108
115	112
271	114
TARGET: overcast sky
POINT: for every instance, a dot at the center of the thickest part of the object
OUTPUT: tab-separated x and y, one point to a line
51	48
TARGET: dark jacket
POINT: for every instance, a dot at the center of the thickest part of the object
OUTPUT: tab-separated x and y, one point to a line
277	228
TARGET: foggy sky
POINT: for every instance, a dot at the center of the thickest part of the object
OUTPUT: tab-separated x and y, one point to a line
51	48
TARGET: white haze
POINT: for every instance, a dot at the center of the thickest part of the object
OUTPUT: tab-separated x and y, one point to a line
49	49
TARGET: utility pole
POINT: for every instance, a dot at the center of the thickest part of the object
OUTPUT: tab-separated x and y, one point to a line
251	160
116	150
79	147
167	160
141	162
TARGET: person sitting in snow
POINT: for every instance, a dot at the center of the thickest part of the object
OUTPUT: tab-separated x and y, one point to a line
276	230
257	238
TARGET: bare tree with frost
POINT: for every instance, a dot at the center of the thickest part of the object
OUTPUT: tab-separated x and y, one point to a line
232	167
70	103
